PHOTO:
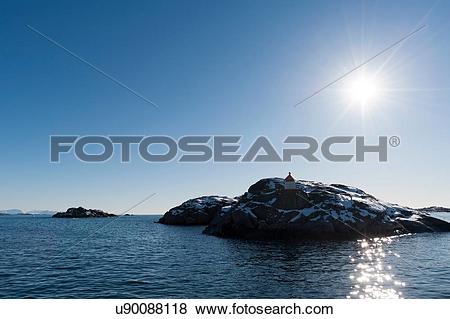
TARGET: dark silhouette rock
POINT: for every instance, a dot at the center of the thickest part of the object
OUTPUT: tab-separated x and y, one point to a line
322	212
81	212
197	211
305	210
435	209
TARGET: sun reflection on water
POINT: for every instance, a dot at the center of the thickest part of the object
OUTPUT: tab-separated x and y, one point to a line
372	277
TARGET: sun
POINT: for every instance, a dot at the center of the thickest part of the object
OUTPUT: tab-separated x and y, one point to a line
364	90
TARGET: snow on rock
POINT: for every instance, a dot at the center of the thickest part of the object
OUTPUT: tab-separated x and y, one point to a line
319	211
333	211
197	211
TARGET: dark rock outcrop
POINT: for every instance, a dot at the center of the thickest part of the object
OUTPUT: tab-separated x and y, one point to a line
435	209
310	210
197	211
81	212
334	212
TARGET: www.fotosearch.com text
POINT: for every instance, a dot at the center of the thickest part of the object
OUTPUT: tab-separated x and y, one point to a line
218	148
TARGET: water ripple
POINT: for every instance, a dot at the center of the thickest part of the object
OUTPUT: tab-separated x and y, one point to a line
136	258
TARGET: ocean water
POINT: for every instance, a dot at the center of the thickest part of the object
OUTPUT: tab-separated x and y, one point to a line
132	257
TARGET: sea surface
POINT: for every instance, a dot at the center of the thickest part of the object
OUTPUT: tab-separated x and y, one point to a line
133	257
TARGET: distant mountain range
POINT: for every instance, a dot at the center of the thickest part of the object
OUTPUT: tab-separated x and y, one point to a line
20	212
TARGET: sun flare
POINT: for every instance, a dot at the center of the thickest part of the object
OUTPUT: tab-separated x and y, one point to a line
363	90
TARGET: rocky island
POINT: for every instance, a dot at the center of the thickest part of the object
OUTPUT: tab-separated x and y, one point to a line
276	208
82	212
197	211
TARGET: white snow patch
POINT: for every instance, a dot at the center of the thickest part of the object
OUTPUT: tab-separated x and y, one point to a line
345	201
372	204
303	213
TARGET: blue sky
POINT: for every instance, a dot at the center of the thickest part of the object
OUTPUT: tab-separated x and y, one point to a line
228	67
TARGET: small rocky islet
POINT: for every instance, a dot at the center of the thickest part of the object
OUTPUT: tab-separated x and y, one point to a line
277	208
81	212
